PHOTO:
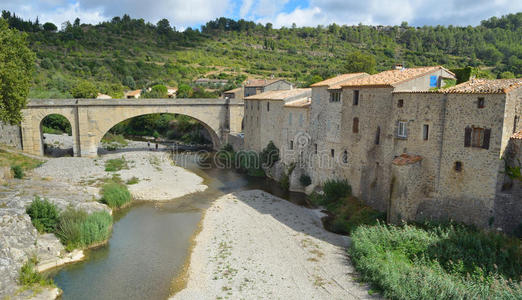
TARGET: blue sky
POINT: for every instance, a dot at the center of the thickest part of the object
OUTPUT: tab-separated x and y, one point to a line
185	13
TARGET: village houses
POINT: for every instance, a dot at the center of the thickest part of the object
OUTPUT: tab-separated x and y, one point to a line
407	145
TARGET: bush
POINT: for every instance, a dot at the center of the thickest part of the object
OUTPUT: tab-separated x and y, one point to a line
44	215
77	229
116	164
438	261
115	195
18	172
269	155
305	180
335	190
133	180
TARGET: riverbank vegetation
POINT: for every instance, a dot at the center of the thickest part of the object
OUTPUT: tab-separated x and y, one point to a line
115	194
116	164
346	212
29	278
112	59
434	261
249	162
22	162
74	228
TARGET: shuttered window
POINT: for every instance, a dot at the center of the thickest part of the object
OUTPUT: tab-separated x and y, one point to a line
477	137
355	97
355	126
378	136
402	129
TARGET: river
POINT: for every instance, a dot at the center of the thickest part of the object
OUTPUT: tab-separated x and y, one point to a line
151	241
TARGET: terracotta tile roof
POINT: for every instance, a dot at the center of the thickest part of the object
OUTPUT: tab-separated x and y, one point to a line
485	86
260	82
517	135
391	77
133	93
299	103
233	91
337	80
406	159
282	95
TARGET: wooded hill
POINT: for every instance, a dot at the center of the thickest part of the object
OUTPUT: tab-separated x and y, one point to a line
127	53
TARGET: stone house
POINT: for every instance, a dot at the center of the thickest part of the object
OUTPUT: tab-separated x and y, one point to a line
411	148
278	116
133	94
257	86
236	93
172	91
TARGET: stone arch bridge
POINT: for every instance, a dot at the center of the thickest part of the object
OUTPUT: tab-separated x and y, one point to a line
90	119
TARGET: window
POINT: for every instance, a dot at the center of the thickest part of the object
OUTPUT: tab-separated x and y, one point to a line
458	166
345	157
258	105
378	136
400	103
289	118
477	137
355	97
315	148
480	102
355	126
425	131
433	81
515	124
268	106
402	130
335	96
291	145
332	152
300	119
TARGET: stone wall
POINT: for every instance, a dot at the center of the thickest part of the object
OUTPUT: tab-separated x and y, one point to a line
10	135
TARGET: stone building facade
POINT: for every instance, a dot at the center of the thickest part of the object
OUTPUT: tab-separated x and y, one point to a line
10	135
411	147
258	86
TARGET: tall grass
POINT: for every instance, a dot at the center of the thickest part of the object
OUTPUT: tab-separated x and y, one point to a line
115	195
77	229
18	172
116	164
438	262
29	277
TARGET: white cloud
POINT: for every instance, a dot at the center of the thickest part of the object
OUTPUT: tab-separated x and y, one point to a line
244	10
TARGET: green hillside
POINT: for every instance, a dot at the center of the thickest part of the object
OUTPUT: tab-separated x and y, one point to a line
127	53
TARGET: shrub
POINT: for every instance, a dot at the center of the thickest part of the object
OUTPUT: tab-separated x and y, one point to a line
133	180
77	229
116	164
115	195
29	276
228	148
44	215
18	172
336	189
269	155
438	261
305	180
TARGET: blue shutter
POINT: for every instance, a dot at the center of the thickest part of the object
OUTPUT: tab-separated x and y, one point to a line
433	81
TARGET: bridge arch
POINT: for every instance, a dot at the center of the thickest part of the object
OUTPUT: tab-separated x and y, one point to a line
213	135
59	152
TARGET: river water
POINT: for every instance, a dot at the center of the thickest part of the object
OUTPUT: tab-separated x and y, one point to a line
151	241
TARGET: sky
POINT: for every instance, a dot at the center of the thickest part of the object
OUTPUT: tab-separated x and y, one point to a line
193	13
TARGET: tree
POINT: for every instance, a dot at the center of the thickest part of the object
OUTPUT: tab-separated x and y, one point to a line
163	26
16	68
157	91
50	27
185	91
360	62
84	89
507	75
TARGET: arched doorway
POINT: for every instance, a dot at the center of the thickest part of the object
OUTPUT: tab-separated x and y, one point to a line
57	136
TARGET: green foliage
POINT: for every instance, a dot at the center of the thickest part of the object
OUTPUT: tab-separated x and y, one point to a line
18	172
269	155
305	180
115	195
227	147
44	215
116	164
114	141
56	124
157	91
133	180
506	75
185	91
16	68
335	190
359	62
438	261
78	229
49	27
30	278
84	89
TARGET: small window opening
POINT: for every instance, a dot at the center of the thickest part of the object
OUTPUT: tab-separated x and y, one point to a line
355	97
400	103
458	166
425	132
480	102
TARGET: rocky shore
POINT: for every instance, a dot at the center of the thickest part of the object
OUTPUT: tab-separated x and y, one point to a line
255	245
74	182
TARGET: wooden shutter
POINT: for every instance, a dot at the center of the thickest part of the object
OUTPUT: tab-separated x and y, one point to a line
487	135
467	137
